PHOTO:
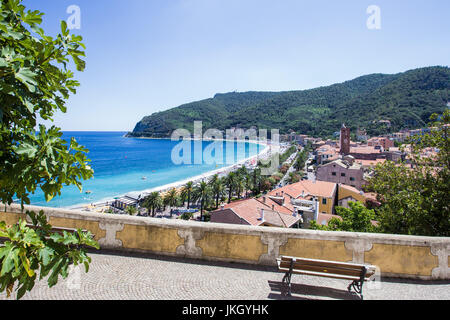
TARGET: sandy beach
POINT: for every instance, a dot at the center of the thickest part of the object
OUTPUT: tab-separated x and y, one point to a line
266	153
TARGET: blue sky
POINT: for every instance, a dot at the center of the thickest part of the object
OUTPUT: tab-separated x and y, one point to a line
145	56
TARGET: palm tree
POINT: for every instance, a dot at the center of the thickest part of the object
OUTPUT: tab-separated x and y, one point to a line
171	199
230	181
187	192
257	181
201	193
248	184
239	184
152	202
218	188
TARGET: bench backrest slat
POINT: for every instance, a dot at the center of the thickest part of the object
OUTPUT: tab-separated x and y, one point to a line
322	268
326	267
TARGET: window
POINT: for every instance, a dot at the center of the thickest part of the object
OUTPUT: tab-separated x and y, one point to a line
324	201
352	179
342	174
333	174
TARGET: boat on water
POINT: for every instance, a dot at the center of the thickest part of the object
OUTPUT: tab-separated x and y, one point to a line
88	192
144	178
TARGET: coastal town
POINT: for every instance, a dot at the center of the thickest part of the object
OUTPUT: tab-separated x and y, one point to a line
314	177
225	155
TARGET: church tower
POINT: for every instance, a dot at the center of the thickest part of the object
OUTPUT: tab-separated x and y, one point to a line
345	140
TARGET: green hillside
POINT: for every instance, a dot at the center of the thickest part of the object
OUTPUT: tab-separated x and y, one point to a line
406	99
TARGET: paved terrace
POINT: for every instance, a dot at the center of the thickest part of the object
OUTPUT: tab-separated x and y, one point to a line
149	277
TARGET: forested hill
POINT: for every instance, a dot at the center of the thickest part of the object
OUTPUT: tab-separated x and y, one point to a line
406	99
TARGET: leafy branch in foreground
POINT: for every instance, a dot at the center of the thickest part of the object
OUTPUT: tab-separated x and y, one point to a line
37	250
35	82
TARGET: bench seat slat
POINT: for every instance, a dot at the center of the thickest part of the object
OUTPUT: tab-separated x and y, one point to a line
320	274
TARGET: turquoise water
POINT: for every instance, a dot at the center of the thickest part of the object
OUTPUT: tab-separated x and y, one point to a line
121	163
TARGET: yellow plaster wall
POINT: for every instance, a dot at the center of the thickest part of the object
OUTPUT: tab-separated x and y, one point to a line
150	238
92	226
317	249
232	246
11	218
410	260
326	208
344	193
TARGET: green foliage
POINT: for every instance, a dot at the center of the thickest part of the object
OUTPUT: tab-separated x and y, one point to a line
187	216
202	193
406	99
131	210
35	81
294	177
301	160
171	199
415	196
32	251
153	202
355	219
31	84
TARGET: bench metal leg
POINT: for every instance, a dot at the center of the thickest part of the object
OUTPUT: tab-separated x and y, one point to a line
287	279
357	285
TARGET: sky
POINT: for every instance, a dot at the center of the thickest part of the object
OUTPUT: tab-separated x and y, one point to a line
146	56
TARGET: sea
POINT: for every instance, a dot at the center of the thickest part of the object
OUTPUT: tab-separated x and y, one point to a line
125	165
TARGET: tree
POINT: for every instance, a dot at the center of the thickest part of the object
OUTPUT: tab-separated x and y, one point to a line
171	199
357	218
35	80
257	180
217	186
293	178
301	160
201	193
153	202
415	194
230	181
186	192
131	210
248	184
239	184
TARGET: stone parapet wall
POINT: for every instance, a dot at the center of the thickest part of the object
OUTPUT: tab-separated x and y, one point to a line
394	255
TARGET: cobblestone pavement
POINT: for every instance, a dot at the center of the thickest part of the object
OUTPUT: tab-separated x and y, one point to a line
135	276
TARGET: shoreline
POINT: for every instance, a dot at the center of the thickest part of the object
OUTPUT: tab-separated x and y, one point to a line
267	151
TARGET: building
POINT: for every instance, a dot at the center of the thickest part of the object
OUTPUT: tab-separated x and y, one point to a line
292	206
284	199
361	135
124	202
346	171
367	153
345	140
369	164
255	213
348	194
326	153
383	142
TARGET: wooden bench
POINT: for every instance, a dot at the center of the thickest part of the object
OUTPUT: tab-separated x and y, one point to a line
358	273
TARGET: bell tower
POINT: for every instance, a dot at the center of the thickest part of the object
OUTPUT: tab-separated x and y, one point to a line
345	140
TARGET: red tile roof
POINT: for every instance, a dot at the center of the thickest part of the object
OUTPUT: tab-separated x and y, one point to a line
250	211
